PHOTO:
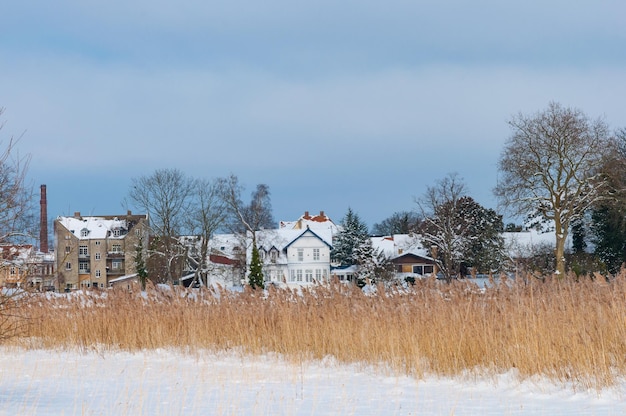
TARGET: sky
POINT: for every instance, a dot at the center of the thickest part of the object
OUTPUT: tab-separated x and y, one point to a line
332	104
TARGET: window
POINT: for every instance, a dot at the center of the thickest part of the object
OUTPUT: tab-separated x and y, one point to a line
273	256
300	254
309	275
12	271
97	243
292	276
318	275
98	273
418	270
316	254
83	251
117	232
116	265
428	269
83	267
98	256
68	266
117	248
299	275
68	249
84	232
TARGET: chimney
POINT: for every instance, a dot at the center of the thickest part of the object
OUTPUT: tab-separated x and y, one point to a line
76	214
322	214
43	221
306	215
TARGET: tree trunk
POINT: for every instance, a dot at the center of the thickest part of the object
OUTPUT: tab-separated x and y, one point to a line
559	251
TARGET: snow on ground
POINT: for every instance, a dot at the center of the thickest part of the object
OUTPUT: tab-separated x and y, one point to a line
164	382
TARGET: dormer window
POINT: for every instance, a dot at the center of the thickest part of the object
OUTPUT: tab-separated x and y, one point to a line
117	232
84	232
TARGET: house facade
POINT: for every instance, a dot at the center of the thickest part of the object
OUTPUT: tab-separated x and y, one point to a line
92	250
410	258
23	266
295	257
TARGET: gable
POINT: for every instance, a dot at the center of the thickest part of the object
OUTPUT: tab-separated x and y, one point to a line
411	258
308	234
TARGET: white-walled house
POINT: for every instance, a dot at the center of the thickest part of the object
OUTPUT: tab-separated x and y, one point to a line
294	256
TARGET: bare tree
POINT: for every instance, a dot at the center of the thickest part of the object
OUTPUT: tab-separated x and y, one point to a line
205	218
440	227
247	218
551	169
166	197
16	224
16	196
404	222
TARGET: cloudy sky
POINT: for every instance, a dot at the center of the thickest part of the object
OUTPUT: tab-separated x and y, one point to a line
333	104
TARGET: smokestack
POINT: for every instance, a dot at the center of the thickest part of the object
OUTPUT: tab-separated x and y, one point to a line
43	221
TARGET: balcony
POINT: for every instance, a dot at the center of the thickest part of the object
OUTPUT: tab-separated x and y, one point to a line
115	255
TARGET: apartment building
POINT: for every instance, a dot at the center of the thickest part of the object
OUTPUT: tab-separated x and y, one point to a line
92	250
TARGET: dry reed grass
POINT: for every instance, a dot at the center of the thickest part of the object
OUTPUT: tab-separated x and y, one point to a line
566	330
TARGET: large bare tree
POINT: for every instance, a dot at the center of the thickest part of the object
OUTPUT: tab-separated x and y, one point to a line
439	229
248	218
207	215
16	225
165	196
551	169
16	195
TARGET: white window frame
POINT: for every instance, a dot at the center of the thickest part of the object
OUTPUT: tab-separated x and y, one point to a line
316	254
300	254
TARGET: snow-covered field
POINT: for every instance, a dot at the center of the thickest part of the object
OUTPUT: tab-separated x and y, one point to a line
163	382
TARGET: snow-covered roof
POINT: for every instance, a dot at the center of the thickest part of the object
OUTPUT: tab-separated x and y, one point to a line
281	238
85	228
400	244
314	222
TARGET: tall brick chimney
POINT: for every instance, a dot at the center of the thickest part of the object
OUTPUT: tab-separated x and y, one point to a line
43	221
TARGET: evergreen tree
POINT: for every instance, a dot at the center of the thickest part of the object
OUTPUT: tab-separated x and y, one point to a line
256	269
140	264
352	235
609	236
373	265
484	242
578	236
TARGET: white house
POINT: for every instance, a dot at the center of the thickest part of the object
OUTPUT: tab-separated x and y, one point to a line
295	256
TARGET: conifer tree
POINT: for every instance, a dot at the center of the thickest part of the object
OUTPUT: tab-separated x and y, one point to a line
256	269
140	264
352	235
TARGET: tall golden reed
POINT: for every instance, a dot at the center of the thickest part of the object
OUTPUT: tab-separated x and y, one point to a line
564	329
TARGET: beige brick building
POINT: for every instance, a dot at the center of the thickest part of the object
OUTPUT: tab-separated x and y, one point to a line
92	250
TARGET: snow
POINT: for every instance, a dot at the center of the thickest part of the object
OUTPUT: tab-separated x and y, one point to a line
164	382
95	227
